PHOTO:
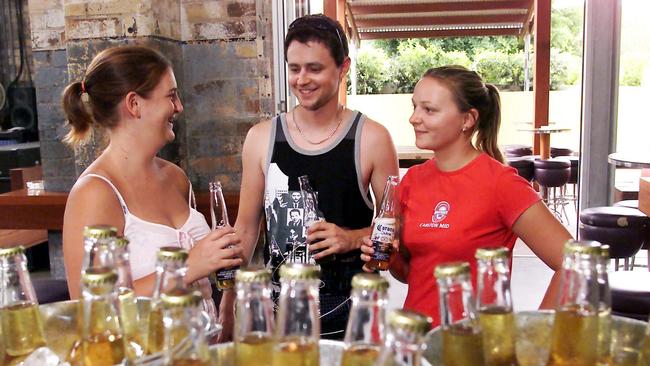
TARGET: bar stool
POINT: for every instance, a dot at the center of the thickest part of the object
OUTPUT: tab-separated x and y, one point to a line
630	294
524	165
517	150
622	228
573	179
553	174
560	151
634	204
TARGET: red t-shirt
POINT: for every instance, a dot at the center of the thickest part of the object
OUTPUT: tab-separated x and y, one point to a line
446	216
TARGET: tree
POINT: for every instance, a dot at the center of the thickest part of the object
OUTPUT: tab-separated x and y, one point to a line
372	71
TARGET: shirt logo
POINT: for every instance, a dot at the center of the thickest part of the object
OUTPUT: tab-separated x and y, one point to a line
441	211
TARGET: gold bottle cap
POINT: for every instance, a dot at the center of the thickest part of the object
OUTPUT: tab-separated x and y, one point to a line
98	276
410	321
369	281
172	254
491	253
121	242
451	269
253	274
587	247
100	231
10	252
299	271
604	251
181	297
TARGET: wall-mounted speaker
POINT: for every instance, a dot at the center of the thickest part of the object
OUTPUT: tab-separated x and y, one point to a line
22	109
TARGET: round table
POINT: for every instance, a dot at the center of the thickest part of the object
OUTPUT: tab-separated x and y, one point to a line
544	133
630	160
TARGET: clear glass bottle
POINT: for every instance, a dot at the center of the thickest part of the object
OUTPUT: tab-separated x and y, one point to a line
297	331
185	341
644	351
604	309
98	240
102	341
22	327
128	303
312	214
171	267
574	338
365	332
462	343
384	226
254	320
495	313
404	342
225	278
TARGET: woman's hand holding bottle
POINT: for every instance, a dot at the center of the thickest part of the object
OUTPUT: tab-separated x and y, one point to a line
219	249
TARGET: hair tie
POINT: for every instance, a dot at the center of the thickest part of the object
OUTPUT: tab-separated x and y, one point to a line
84	93
83	86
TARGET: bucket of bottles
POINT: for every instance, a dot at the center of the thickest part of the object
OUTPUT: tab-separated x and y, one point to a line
330	353
533	339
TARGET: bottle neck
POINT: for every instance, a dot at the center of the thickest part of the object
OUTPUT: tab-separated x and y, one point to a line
605	295
494	285
402	347
366	323
16	282
456	300
254	310
98	253
184	334
298	314
169	275
579	287
99	312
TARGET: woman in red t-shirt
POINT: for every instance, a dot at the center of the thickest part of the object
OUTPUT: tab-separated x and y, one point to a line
464	198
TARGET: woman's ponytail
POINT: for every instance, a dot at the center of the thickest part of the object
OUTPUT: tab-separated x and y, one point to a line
77	114
489	123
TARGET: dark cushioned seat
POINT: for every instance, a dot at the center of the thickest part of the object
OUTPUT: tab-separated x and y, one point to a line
552	173
50	290
560	151
517	150
524	166
630	294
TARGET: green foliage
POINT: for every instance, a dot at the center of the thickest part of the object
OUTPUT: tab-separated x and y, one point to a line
566	30
502	69
372	71
632	71
411	61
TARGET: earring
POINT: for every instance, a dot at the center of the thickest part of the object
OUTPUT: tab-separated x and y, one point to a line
464	129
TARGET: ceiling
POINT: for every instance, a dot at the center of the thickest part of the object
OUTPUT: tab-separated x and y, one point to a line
390	19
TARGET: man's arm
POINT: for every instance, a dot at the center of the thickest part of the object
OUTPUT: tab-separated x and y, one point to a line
378	161
251	200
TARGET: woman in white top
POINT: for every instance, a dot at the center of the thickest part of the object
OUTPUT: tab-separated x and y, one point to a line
131	92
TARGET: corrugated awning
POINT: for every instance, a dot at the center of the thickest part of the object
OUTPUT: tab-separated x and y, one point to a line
384	19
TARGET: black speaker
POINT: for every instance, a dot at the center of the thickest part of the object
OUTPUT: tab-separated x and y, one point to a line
22	109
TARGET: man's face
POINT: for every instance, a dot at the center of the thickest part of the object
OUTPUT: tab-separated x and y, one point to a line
295	196
295	215
314	77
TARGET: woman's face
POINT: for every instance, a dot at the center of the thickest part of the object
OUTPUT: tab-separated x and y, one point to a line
436	119
161	107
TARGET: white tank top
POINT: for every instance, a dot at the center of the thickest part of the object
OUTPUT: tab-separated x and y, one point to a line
145	238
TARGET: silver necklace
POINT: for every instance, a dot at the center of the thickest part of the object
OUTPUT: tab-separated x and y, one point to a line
305	137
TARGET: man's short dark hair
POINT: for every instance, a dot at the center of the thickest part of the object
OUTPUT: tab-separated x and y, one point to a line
294	210
319	28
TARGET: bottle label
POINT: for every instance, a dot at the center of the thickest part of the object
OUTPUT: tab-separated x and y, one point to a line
382	237
226	274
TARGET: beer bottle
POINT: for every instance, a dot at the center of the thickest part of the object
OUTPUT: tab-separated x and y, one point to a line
128	304
225	278
495	313
574	338
384	227
254	321
604	309
102	341
312	215
462	343
22	327
365	331
185	341
97	243
404	340
170	271
297	329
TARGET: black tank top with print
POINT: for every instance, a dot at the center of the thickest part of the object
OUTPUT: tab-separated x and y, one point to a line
335	174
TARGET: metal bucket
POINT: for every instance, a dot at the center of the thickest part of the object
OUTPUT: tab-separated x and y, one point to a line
330	353
534	337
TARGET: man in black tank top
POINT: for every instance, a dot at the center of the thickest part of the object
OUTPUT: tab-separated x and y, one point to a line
343	153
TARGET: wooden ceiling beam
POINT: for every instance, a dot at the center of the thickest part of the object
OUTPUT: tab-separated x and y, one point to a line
440	33
530	15
446	20
439	6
